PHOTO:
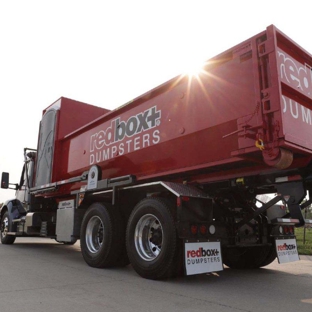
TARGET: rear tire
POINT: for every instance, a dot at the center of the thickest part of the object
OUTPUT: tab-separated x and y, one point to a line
270	257
102	237
5	228
246	257
151	240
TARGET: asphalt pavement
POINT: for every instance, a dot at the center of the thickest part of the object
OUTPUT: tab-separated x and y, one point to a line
41	275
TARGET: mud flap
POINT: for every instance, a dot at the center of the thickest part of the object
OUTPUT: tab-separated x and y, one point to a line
202	257
286	250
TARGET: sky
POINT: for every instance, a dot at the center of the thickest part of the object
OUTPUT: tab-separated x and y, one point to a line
106	53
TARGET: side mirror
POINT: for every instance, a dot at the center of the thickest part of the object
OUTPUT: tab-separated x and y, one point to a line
5	180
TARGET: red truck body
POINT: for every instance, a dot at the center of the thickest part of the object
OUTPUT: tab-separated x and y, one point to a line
233	119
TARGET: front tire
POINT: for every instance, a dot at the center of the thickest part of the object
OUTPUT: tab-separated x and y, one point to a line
151	239
5	228
102	236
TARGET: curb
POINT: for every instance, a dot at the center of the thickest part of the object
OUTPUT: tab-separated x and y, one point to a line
304	257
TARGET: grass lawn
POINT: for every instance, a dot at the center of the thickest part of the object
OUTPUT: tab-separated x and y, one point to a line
304	249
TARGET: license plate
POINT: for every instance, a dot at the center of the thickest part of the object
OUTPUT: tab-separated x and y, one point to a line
286	250
202	257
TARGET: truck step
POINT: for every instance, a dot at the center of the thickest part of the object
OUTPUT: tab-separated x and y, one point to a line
44	229
21	220
15	233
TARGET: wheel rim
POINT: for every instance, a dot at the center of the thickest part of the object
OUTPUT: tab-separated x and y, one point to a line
4	227
94	234
148	237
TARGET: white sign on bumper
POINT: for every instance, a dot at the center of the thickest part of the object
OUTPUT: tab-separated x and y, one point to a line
286	250
202	257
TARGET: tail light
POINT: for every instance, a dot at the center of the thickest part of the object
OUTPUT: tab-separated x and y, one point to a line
203	229
194	229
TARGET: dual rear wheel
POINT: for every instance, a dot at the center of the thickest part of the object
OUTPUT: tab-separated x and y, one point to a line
151	243
249	257
102	236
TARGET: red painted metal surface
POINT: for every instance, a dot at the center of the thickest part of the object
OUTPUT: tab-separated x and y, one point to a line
71	116
241	116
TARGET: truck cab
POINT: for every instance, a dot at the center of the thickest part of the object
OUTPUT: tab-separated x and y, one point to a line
21	216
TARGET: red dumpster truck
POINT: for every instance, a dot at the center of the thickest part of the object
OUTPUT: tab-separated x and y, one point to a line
172	181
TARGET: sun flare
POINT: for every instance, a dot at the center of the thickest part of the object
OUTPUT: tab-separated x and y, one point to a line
193	68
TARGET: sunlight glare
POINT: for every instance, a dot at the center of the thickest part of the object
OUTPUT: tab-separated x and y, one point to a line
193	68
